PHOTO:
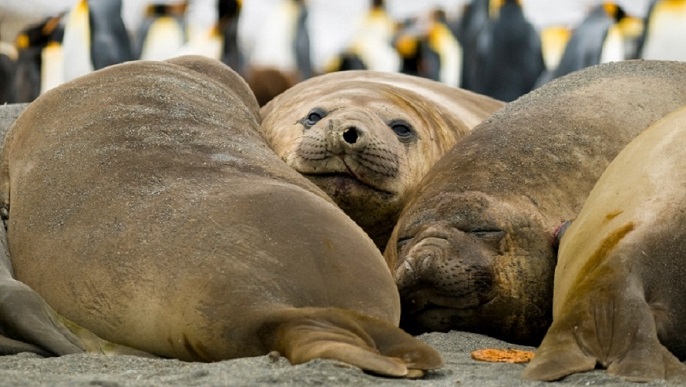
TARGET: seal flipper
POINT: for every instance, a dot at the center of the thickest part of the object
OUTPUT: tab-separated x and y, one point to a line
376	346
558	355
611	325
27	323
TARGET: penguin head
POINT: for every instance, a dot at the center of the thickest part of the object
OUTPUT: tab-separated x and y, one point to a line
175	10
41	34
614	11
495	5
229	9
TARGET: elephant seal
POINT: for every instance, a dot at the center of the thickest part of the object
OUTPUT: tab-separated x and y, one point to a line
619	291
168	225
368	137
473	248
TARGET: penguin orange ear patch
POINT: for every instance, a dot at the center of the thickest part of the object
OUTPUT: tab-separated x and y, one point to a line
508	355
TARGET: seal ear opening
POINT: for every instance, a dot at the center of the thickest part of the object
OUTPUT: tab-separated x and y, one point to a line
374	345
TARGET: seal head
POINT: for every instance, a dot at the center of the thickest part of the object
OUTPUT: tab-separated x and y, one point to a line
367	138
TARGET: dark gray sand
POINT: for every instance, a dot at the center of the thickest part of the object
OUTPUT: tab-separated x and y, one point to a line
459	370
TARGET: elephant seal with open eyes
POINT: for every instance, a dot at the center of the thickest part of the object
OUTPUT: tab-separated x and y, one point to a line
145	206
620	294
473	248
368	137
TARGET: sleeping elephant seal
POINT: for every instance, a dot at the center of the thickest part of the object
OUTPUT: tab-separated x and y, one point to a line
473	249
620	294
368	137
145	206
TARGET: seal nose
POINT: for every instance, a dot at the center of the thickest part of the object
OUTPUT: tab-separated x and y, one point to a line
346	137
351	135
417	267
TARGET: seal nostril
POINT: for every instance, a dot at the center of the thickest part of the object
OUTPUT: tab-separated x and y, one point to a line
350	135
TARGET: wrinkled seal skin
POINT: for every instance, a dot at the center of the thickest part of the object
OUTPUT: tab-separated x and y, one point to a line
473	249
620	294
168	225
367	137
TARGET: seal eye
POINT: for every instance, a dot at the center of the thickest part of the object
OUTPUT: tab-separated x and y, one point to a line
313	117
402	129
490	237
402	242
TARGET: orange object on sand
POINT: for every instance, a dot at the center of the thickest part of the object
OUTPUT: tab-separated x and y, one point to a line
502	355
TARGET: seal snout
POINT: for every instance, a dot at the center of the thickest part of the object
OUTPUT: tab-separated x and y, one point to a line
436	275
346	136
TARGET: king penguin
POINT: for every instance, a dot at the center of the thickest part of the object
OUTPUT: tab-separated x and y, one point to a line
40	63
444	56
94	37
163	31
665	31
283	43
220	39
428	48
472	33
514	59
371	46
597	39
229	12
8	60
554	39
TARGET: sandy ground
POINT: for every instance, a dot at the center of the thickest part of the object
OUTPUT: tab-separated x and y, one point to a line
459	370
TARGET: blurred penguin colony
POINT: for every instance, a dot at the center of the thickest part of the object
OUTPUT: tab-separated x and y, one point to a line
487	46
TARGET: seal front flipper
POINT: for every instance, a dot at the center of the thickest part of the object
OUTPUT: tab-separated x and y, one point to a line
374	345
27	323
558	356
615	331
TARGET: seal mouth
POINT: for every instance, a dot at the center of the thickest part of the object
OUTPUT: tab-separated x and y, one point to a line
417	300
441	313
346	178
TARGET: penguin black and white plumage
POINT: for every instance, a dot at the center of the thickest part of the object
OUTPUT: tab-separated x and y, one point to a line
446	65
597	39
301	42
110	40
283	42
94	37
428	48
163	32
218	40
472	33
40	63
665	31
514	59
229	13
8	60
371	46
554	39
76	43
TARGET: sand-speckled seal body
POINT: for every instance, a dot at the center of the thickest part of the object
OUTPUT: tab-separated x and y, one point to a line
473	248
620	294
168	225
368	137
